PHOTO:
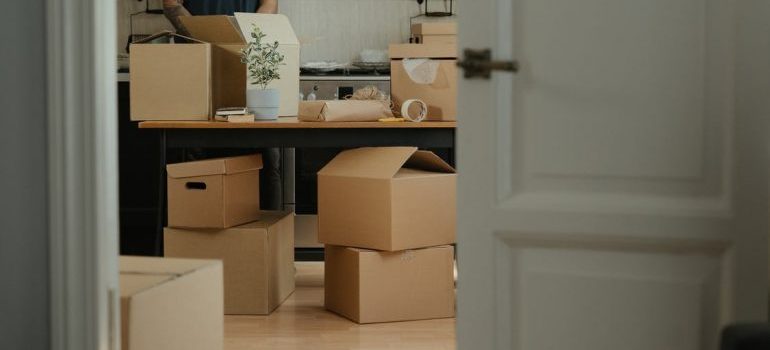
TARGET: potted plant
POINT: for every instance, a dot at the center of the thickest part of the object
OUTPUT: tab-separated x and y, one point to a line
262	62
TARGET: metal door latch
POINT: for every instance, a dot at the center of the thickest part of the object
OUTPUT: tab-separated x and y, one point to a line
479	64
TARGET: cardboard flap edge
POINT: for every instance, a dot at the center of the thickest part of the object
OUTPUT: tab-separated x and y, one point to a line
427	160
369	162
216	29
166	33
195	168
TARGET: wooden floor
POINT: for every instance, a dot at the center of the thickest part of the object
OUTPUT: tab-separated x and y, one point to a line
302	323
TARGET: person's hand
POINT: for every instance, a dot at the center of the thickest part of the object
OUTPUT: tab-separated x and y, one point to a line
172	3
173	10
268	6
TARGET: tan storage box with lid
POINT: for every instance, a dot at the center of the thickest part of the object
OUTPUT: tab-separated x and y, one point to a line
435	33
170	81
368	286
214	193
386	198
441	94
171	304
258	259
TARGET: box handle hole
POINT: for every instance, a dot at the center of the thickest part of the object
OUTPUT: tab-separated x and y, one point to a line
196	185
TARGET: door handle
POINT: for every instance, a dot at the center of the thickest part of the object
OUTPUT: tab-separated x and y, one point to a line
479	64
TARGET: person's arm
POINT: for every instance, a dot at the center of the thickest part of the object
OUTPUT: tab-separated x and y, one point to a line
173	10
267	6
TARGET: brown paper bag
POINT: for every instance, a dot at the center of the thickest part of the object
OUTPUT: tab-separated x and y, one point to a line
343	111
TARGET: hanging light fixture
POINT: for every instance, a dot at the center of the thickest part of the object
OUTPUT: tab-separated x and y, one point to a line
431	7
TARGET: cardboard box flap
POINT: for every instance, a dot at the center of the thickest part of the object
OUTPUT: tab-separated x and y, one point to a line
400	51
426	160
365	250
163	34
276	26
213	29
141	265
219	166
132	284
369	162
266	219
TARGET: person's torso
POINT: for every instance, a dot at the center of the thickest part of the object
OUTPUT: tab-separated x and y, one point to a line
220	7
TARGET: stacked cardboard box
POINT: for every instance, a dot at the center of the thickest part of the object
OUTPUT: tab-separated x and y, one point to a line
440	95
387	217
213	208
437	42
434	33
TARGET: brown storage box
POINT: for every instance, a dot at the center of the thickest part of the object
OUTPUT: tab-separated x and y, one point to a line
170	81
435	33
437	51
368	286
171	304
386	198
441	94
434	28
435	39
214	193
258	260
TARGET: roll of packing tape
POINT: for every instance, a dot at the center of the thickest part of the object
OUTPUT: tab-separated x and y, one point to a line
405	110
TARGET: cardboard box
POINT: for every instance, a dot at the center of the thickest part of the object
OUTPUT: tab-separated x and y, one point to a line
387	198
434	28
170	81
171	304
214	193
368	286
441	94
258	260
435	51
435	39
435	33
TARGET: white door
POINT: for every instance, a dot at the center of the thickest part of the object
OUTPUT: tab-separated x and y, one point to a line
613	192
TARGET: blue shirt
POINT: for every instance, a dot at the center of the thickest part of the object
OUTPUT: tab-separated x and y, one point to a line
220	7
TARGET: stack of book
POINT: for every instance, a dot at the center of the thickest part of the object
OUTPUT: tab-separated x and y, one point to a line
234	115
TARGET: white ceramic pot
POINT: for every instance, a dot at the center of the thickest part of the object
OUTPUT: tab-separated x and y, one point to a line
263	103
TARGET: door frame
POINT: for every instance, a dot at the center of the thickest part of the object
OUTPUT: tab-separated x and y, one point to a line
82	174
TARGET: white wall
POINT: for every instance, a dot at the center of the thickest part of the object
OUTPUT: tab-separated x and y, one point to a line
24	288
328	29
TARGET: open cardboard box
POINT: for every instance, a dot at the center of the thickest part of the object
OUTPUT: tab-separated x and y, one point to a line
387	198
226	33
171	304
172	81
441	94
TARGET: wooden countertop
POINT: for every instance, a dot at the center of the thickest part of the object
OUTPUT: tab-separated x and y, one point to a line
292	123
